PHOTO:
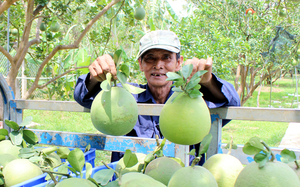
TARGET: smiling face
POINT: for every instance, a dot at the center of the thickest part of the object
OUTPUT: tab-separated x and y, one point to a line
156	63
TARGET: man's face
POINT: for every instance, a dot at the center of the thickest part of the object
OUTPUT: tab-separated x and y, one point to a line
156	63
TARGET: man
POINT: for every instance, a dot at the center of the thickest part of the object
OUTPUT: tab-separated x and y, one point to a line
159	53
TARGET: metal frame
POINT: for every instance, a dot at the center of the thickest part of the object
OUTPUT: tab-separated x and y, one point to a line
144	145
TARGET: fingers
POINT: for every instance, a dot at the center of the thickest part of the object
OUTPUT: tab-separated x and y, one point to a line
101	66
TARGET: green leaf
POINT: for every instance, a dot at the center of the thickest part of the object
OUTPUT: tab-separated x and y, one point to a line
288	156
171	11
194	93
256	142
250	150
129	159
3	132
12	124
26	121
103	176
2	137
178	83
76	159
192	83
118	56
133	89
187	70
177	89
16	137
122	77
172	76
204	145
125	69
261	159
192	152
1	181
113	184
87	148
88	169
30	137
63	152
108	78
36	159
105	85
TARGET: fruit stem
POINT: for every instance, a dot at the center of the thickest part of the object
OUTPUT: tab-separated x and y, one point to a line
195	161
108	167
297	165
230	145
269	150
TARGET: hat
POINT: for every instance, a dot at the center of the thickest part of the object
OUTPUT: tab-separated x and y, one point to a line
160	39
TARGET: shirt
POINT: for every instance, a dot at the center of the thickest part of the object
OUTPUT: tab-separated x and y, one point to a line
148	126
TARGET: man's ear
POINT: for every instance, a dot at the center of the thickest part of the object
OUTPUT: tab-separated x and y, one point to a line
140	64
179	63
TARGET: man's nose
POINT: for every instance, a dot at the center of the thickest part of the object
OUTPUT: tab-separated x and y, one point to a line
159	64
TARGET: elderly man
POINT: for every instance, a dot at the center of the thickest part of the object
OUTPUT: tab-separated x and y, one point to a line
159	53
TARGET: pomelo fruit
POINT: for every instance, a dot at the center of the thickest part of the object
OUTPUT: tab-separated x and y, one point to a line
162	169
54	27
6	158
14	31
275	174
120	167
75	182
20	170
192	176
114	112
6	147
225	168
139	13
43	26
184	120
135	179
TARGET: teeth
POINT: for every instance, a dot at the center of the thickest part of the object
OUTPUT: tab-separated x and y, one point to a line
157	74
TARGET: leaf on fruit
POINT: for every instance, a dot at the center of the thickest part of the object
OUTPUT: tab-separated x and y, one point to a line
192	83
250	150
192	152
103	176
30	137
173	76
256	142
63	152
118	56
88	169
87	148
176	89
261	159
26	121
204	145
194	93
133	89
125	69
76	159
288	156
122	77
105	86
129	159
187	70
12	124
2	137
36	159
16	137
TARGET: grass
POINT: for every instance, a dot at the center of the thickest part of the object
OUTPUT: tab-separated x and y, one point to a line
241	131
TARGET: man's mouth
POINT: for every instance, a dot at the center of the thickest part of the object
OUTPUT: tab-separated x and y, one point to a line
158	75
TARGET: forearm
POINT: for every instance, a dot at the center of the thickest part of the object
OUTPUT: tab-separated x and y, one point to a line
214	88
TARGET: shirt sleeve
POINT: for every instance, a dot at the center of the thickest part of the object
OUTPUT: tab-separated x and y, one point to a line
227	89
81	94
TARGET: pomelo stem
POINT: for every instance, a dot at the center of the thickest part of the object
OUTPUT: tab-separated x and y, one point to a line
269	150
107	166
297	165
195	161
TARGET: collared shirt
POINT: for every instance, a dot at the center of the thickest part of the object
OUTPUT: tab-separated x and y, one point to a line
148	126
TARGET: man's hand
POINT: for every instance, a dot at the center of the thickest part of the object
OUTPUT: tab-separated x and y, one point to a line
98	70
202	64
101	66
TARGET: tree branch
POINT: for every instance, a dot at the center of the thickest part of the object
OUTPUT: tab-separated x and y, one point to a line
5	53
59	76
6	4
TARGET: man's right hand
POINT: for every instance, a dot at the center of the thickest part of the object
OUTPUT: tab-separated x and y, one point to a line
99	68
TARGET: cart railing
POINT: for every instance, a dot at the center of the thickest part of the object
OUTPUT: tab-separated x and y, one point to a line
13	110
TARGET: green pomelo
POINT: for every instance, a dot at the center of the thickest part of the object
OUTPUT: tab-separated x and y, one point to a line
132	176
162	169
225	168
192	176
54	27
142	182
5	159
184	120
114	112
20	170
120	167
294	167
275	174
6	147
43	26
139	13
14	31
75	182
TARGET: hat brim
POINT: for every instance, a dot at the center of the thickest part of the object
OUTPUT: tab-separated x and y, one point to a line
165	47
